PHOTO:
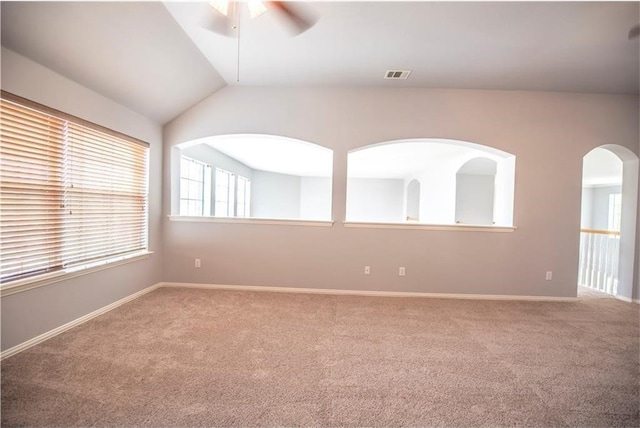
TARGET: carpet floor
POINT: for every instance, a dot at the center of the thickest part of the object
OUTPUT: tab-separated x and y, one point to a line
193	357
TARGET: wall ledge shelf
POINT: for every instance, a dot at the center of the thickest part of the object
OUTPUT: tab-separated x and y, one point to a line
427	226
245	220
62	275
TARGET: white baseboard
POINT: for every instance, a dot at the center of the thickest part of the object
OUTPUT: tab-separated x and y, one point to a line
367	293
41	338
51	333
628	300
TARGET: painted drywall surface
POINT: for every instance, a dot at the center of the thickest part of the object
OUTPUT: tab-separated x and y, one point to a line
504	192
375	199
636	290
629	225
438	194
275	195
474	198
315	198
586	208
30	313
549	133
217	159
600	206
412	200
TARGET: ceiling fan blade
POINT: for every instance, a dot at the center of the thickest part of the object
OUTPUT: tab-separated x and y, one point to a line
298	18
214	21
634	32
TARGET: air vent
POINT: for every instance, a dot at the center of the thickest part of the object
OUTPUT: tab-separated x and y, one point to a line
397	74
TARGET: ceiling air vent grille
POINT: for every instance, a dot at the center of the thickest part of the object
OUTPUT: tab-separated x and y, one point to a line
397	74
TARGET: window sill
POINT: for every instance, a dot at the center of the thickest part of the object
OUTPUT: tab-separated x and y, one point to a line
62	275
245	220
426	226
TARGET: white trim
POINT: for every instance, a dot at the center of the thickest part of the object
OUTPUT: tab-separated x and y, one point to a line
56	331
62	275
425	226
45	336
366	293
252	220
628	299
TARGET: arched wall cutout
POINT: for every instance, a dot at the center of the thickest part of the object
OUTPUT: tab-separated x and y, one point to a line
378	175
268	176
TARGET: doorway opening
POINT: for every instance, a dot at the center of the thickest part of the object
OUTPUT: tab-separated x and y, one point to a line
608	220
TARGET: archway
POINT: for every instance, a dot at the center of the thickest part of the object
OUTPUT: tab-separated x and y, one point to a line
475	191
608	221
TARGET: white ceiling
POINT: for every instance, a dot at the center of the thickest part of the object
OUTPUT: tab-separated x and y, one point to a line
399	159
157	59
548	46
409	158
601	168
275	154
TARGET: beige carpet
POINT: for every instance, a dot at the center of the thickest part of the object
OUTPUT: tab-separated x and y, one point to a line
188	357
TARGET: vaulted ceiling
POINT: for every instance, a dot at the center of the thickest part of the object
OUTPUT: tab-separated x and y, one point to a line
159	59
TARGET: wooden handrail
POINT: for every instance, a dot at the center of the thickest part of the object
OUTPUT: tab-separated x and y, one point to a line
601	232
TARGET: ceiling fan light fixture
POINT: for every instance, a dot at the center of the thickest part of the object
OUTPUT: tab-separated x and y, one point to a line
256	8
221	6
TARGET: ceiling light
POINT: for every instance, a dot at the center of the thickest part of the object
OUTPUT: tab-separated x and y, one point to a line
221	6
256	8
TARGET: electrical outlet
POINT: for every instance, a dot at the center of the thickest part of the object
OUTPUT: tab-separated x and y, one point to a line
401	271
197	264
549	275
367	270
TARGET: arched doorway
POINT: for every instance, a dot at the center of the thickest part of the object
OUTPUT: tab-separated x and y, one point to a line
475	191
608	220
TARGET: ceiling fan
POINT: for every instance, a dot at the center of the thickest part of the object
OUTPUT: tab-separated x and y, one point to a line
226	20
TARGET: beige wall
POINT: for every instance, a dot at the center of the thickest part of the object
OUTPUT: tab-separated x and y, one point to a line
28	314
548	132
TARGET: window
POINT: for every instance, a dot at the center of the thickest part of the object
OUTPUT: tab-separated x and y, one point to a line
233	194
243	207
195	187
224	193
73	193
615	212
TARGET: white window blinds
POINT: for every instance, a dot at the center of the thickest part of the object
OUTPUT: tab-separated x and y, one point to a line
70	195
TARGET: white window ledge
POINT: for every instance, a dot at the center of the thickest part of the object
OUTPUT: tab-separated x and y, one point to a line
62	275
252	220
426	226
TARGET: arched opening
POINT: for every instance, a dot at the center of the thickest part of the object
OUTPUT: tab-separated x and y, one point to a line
608	220
378	178
475	191
413	201
252	176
